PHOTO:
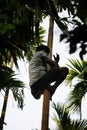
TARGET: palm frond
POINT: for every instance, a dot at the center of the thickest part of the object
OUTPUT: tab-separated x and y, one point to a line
18	94
64	122
9	78
76	65
11	82
61	117
76	95
77	79
77	69
79	125
83	125
72	74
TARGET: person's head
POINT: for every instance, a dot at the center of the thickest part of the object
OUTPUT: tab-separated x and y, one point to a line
44	48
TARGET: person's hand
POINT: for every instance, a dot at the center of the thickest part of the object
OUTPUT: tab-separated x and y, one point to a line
56	58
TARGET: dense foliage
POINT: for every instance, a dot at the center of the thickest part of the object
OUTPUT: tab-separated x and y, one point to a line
20	31
77	31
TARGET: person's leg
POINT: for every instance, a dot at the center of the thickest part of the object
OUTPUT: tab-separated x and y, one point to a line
35	92
62	75
43	83
56	74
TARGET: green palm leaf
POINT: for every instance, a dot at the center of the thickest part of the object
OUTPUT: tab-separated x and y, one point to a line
64	122
76	95
76	70
18	94
76	65
9	78
77	79
61	116
72	74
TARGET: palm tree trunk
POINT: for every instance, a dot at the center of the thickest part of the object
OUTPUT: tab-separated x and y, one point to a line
4	109
80	111
46	98
3	113
50	36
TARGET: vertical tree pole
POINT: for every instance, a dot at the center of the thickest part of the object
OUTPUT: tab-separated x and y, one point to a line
46	97
3	113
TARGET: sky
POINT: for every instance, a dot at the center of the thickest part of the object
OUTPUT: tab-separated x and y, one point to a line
30	117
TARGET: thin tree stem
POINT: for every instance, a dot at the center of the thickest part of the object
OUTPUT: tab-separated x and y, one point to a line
4	109
45	114
5	100
46	97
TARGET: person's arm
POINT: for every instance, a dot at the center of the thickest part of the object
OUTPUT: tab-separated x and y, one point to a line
49	61
56	58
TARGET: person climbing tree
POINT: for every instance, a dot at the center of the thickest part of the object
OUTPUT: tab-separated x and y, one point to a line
40	77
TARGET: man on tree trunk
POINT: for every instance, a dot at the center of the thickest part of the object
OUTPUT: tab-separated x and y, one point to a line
40	77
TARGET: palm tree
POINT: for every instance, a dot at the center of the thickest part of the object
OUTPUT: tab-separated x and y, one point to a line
46	99
63	121
12	83
77	79
20	26
16	36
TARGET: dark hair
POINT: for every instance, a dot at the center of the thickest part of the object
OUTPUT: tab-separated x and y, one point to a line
43	47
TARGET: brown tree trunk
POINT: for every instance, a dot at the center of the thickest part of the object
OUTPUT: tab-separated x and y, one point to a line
4	108
46	97
3	113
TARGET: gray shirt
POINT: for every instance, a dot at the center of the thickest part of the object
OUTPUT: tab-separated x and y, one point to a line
37	67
